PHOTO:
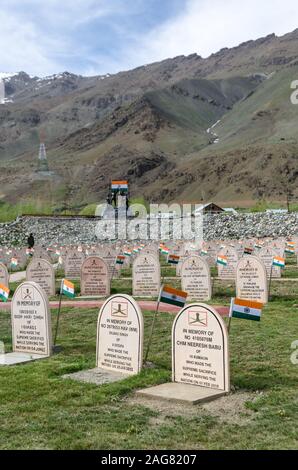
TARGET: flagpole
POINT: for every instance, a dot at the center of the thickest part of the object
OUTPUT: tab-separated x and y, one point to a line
58	315
270	279
152	326
230	315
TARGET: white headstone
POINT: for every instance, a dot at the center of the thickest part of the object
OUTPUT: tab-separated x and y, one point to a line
3	275
251	280
42	272
31	320
146	276
120	332
228	271
200	348
95	279
195	278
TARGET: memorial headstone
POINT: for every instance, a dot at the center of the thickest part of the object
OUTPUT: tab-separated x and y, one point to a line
120	336
4	277
251	280
229	271
73	264
267	254
31	325
200	357
146	276
95	279
195	278
42	272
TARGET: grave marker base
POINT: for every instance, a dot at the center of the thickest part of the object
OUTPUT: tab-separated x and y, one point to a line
178	392
11	359
96	376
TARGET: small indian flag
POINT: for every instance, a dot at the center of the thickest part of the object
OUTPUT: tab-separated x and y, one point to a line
290	244
279	262
4	293
246	309
173	259
14	262
290	248
164	250
119	184
172	296
136	250
248	250
258	246
223	260
120	259
67	288
204	252
127	252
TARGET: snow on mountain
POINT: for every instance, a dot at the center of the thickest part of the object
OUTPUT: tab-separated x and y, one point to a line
5	75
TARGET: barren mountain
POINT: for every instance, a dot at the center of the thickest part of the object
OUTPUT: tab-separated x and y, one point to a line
186	128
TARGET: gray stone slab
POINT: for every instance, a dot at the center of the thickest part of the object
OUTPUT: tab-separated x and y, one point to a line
11	359
179	392
96	376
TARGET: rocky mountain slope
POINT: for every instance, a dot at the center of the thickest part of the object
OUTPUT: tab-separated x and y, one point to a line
186	129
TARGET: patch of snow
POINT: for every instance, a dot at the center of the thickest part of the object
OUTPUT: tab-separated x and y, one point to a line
5	75
210	131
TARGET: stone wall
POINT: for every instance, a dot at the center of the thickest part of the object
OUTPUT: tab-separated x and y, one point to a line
73	230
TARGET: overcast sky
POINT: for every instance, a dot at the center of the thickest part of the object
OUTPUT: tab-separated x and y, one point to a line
43	37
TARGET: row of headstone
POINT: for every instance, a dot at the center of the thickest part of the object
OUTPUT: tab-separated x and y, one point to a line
199	340
250	273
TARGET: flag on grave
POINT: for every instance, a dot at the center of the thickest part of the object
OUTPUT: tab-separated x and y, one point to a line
67	288
279	262
223	260
4	293
164	250
173	259
172	296
246	309
120	259
14	262
290	248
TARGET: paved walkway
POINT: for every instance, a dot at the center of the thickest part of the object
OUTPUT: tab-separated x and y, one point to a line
144	305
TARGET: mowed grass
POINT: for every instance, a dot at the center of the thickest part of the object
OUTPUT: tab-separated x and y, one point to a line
40	410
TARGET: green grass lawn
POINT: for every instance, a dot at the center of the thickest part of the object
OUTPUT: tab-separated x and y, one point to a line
40	410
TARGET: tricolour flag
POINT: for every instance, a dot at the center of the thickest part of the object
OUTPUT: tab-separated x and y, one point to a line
172	296
14	262
246	309
223	260
67	288
127	252
4	293
164	250
119	185
279	262
173	259
290	249
136	250
120	259
258	246
248	250
204	252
